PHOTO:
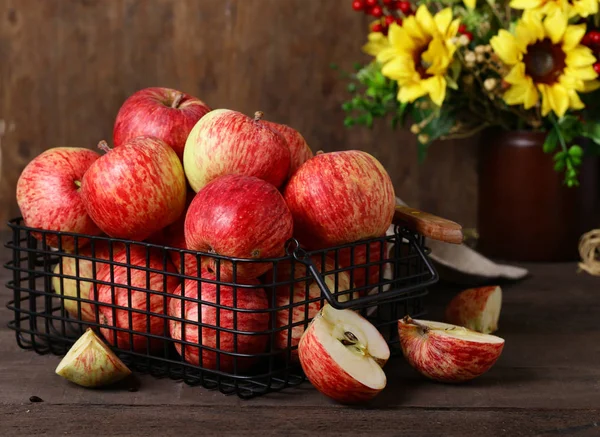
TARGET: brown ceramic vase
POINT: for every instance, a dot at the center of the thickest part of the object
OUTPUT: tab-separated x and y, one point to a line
526	213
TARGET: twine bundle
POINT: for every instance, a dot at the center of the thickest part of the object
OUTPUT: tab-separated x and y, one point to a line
589	250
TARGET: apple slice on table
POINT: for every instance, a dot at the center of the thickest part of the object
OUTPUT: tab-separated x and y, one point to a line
90	363
447	353
476	308
342	355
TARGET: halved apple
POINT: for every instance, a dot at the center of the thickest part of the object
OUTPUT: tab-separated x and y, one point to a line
445	352
342	355
476	308
90	363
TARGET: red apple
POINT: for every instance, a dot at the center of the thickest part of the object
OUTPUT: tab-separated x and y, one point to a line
354	258
82	269
447	353
241	217
49	195
299	150
298	294
163	113
136	189
228	142
340	197
252	320
342	355
148	302
476	308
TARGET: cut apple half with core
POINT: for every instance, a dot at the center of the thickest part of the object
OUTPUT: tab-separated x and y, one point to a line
476	308
445	352
90	363
342	355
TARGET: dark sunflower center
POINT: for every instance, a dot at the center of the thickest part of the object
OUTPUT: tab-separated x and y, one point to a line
421	65
544	62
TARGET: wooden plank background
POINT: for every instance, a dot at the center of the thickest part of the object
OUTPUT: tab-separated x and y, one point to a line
67	65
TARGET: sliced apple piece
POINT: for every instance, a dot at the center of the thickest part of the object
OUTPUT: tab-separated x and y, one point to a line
342	355
476	308
90	363
445	352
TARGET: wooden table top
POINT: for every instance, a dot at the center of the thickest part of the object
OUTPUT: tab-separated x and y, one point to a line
547	382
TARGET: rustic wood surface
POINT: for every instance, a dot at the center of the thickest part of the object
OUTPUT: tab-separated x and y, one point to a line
547	382
67	65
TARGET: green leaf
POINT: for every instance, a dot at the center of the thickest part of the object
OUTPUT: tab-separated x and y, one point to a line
559	166
349	122
551	142
592	131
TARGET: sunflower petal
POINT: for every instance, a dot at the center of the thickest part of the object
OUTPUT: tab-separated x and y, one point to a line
436	88
442	20
526	4
546	108
558	99
410	93
555	26
400	39
574	100
399	68
505	46
580	57
516	75
470	4
573	35
591	85
425	20
376	43
523	94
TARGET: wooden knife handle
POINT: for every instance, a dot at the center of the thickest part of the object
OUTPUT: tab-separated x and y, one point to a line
429	225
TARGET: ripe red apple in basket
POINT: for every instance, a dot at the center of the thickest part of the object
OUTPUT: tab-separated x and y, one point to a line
82	269
301	292
136	189
299	150
242	217
447	353
228	142
342	355
163	113
340	197
49	195
252	320
146	308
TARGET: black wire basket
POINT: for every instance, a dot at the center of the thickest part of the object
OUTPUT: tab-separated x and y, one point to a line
203	325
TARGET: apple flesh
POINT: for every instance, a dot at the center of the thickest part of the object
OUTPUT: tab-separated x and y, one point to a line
241	217
81	269
162	113
228	142
342	355
136	189
447	353
250	322
151	301
90	363
340	197
49	195
297	295
299	150
477	309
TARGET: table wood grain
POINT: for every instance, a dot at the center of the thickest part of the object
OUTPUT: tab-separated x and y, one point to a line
547	382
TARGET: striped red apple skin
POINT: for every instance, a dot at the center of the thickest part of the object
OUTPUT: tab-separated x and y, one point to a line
252	319
446	358
153	303
49	195
163	113
229	142
136	189
299	149
241	217
340	197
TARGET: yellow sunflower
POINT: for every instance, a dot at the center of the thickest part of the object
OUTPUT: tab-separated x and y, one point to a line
417	54
583	8
547	61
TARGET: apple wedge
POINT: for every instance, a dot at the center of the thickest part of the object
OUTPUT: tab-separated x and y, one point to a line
90	363
447	353
342	355
476	308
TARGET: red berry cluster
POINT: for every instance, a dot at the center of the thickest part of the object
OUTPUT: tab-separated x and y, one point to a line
462	30
592	40
388	12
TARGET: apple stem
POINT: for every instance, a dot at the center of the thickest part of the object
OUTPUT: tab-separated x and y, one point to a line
319	152
258	115
103	145
78	185
409	319
177	100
